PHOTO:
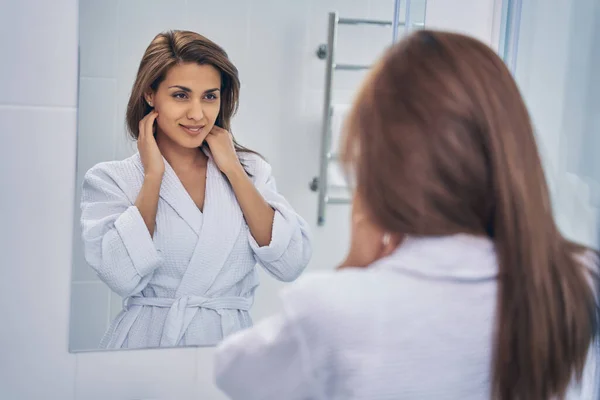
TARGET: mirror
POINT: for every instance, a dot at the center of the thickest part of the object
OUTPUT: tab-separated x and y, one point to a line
164	252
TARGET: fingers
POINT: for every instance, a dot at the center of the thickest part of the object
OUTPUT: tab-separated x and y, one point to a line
217	129
209	138
145	129
146	124
216	133
149	123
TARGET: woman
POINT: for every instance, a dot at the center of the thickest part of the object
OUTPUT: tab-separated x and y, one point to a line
458	284
178	228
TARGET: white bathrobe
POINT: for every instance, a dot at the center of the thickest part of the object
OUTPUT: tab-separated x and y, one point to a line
193	282
415	325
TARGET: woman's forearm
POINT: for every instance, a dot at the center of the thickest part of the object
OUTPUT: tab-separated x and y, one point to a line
257	212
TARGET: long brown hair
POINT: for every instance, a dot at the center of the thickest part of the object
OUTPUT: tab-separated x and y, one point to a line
440	142
174	47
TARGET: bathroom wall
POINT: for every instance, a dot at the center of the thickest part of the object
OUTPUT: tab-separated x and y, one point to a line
38	128
557	68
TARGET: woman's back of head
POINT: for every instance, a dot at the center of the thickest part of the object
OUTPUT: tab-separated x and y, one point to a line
440	142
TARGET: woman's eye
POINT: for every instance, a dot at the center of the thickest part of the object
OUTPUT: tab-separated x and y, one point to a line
180	95
211	96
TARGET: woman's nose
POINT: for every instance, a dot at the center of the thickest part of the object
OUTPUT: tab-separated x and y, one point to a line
195	111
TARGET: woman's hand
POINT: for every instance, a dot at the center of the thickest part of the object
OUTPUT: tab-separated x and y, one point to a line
368	242
221	147
152	158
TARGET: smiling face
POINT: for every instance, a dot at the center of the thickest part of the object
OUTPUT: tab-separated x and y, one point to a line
188	102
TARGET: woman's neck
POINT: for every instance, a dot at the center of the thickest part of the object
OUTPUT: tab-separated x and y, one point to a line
181	159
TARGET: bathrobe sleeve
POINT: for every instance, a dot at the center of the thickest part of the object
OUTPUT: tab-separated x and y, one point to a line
289	251
117	243
285	356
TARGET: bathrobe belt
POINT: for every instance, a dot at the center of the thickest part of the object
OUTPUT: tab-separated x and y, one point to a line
183	309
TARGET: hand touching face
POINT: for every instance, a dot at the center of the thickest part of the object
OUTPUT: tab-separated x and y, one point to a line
221	147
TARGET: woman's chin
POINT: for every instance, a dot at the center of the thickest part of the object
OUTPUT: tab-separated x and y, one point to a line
187	141
191	142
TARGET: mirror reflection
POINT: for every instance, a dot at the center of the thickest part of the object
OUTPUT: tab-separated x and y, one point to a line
189	214
176	229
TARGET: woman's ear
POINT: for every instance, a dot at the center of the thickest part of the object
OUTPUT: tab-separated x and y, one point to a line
149	97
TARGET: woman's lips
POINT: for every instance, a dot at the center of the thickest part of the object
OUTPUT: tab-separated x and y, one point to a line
192	129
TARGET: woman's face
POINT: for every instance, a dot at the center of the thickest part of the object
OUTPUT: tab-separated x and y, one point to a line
188	103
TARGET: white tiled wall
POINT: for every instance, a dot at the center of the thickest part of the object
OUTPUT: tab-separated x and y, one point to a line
458	15
38	125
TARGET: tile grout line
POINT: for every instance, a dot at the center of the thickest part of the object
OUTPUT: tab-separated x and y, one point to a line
37	107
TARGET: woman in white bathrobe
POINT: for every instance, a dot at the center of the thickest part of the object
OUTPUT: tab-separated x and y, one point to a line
458	284
178	228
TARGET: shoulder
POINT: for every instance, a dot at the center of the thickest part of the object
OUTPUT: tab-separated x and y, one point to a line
257	166
114	169
122	176
318	298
